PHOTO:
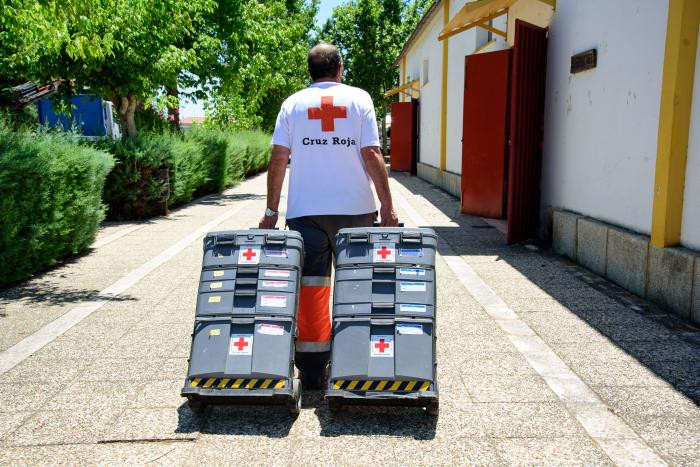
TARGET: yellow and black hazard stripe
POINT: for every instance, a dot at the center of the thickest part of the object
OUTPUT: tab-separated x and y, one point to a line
381	385
237	383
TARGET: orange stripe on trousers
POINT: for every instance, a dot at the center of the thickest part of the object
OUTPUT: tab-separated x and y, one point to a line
314	319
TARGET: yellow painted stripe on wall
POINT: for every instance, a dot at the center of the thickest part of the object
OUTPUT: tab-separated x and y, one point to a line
403	76
443	115
674	121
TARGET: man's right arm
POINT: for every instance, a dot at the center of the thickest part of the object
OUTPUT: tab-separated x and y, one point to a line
376	168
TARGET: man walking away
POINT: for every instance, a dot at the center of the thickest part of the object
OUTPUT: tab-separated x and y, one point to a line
330	130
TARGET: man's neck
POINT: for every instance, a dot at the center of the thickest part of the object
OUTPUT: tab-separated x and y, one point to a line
327	80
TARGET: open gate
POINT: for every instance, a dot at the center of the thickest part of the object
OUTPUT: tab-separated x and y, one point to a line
526	128
404	136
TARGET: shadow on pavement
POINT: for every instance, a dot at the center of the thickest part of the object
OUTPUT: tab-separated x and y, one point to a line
273	421
406	422
45	293
223	199
664	343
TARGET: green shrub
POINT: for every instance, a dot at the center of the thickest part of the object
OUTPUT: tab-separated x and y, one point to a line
50	199
168	169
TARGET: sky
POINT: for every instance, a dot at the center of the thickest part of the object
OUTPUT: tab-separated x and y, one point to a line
325	8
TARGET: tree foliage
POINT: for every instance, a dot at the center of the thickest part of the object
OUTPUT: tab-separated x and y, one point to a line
371	33
246	54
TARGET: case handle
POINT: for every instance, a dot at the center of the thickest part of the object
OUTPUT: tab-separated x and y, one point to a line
242	320
411	237
381	322
247	272
358	237
383	305
275	239
245	293
385	270
246	281
379	224
225	239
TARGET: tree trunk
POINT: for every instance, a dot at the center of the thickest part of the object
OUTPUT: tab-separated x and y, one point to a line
126	107
174	112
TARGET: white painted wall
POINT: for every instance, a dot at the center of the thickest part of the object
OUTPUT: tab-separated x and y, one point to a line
601	125
460	45
690	228
427	46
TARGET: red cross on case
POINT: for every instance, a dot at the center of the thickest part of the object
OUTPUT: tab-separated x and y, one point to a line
249	255
381	346
384	253
327	113
241	344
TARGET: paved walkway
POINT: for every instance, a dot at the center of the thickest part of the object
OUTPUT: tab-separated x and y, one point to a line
539	361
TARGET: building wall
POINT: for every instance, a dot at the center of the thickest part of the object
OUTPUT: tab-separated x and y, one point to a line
460	45
690	229
532	11
601	125
428	47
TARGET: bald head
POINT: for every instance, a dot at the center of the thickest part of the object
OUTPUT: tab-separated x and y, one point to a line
324	61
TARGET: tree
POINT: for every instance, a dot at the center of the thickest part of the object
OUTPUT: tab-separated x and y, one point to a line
371	33
263	60
124	50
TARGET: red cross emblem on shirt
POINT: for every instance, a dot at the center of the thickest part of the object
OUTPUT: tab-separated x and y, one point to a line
240	344
327	113
249	254
381	345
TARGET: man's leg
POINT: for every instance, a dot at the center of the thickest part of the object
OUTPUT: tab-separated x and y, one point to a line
313	342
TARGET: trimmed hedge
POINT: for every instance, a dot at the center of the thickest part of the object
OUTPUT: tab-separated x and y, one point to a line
50	199
165	170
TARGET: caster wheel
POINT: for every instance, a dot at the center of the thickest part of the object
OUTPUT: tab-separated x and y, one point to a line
196	405
335	406
433	409
294	406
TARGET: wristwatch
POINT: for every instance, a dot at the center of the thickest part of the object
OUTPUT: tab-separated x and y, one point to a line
271	213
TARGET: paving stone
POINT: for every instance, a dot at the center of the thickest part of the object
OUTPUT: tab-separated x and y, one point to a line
647	401
496	388
91	454
10	421
83	425
528	420
23	397
93	395
155	424
44	369
510	364
551	451
661	350
154	394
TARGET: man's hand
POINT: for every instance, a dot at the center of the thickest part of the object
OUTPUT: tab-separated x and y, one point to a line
268	222
388	216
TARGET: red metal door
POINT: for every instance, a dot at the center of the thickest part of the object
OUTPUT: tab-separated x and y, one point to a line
484	133
526	125
403	136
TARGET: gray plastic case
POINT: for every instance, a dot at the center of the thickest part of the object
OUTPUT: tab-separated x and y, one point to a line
410	246
412	356
254	247
216	355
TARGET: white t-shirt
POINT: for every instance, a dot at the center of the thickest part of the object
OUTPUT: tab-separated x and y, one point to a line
324	126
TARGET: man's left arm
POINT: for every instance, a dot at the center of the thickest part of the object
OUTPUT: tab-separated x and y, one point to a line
275	178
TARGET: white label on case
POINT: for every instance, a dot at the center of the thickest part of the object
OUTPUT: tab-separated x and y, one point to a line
415	329
241	344
275	284
412	272
410	308
271	329
276	253
274	301
276	273
384	253
381	346
412	286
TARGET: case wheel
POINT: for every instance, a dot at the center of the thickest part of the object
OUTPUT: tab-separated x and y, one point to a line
433	409
294	405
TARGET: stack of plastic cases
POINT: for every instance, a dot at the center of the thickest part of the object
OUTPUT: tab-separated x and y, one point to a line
383	348
245	322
